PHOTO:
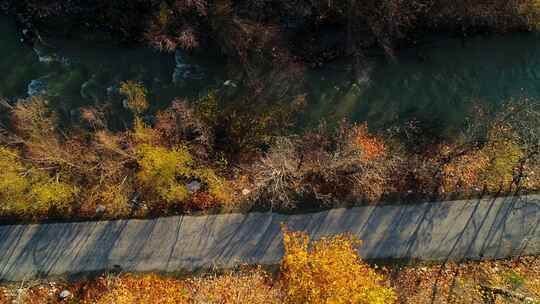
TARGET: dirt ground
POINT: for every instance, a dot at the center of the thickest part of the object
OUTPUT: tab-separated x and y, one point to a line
504	281
490	282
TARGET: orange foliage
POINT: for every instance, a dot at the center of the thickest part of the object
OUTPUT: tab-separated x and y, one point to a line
371	146
4	297
202	200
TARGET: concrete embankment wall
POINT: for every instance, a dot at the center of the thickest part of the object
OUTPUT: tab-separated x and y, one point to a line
454	230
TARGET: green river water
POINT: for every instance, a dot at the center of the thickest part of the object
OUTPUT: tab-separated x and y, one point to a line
437	82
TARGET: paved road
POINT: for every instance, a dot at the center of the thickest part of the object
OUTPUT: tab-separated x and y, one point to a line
457	230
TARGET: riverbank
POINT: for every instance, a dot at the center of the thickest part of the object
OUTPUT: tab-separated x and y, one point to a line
309	31
195	157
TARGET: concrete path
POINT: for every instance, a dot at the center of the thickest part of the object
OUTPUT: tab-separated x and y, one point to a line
457	230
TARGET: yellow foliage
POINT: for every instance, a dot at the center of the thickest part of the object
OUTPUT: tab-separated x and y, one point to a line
329	271
115	197
135	93
29	192
218	188
142	134
162	171
253	287
145	289
505	157
49	194
13	185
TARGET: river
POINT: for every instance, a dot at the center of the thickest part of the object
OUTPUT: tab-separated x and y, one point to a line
438	83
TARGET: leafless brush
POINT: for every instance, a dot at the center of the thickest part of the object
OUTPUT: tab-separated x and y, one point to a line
278	176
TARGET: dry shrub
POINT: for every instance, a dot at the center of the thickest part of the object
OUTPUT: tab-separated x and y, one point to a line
94	118
370	181
246	41
505	148
506	145
253	286
33	118
464	172
131	289
350	165
353	165
181	123
371	146
45	145
278	176
4	296
217	187
164	174
174	25
329	271
466	282
246	128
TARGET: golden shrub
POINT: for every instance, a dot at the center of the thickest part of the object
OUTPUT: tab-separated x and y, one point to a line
218	188
26	191
13	185
161	169
135	93
505	157
145	289
253	287
329	271
114	196
142	134
52	194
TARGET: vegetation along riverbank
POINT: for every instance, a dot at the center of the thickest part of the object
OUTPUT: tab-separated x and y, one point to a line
245	146
211	155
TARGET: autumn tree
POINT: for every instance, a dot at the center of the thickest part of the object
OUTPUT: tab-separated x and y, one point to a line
329	270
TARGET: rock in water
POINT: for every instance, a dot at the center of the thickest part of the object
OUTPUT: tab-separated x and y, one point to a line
36	87
185	71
